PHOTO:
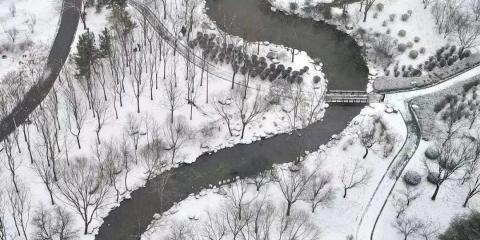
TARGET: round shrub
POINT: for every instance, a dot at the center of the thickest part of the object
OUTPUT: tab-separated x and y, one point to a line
433	177
402	33
405	17
392	17
388	31
422	50
413	54
396	73
316	79
416	39
384	23
432	152
380	7
412	178
409	44
402	47
375	15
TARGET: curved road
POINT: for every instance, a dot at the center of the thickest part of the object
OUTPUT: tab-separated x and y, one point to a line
58	54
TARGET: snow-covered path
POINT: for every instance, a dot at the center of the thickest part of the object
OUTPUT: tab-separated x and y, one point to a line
57	57
373	212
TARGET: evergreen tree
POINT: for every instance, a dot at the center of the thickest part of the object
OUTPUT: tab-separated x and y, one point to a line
86	55
105	43
463	228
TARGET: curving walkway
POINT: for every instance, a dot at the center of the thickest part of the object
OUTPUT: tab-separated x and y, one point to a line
58	54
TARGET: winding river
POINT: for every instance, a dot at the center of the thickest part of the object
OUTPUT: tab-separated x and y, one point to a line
252	20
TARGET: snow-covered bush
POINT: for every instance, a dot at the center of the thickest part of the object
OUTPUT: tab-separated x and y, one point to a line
432	152
392	17
416	39
413	54
380	7
433	177
402	33
422	50
316	79
409	44
402	47
412	178
405	17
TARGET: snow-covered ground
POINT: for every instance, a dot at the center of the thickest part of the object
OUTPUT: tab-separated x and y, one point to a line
421	32
32	24
337	219
206	130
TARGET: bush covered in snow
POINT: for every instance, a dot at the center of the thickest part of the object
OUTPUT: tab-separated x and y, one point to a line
413	54
405	17
433	177
402	33
412	178
432	152
402	47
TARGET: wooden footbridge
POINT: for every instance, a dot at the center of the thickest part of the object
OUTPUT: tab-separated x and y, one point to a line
351	97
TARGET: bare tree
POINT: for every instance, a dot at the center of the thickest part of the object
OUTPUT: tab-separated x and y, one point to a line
454	155
223	108
173	96
294	104
100	106
126	159
112	167
74	104
319	191
176	134
214	227
138	83
248	111
368	4
46	175
134	131
83	189
293	185
297	226
429	230
468	32
237	196
261	179
53	224
12	33
407	226
354	176
153	152
261	224
12	162
180	231
20	208
314	103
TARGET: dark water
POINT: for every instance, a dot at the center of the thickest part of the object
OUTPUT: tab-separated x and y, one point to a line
253	20
343	66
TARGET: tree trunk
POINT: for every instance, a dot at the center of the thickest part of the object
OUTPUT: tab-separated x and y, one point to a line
434	196
344	192
366	153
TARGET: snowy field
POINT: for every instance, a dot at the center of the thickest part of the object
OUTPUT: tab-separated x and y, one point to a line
28	28
120	119
393	27
335	218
